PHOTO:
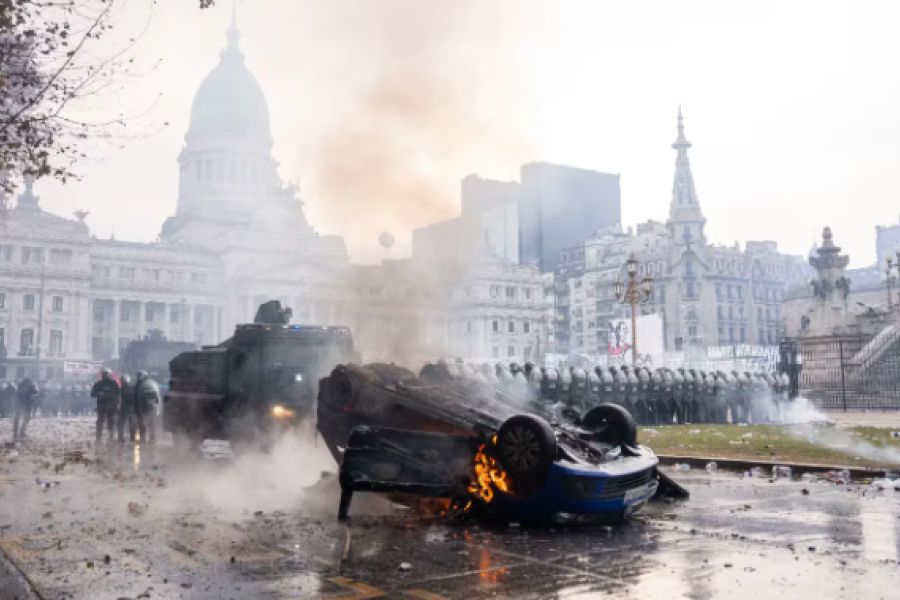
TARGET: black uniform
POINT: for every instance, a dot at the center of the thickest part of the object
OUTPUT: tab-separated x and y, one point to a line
26	398
147	398
7	400
106	391
126	410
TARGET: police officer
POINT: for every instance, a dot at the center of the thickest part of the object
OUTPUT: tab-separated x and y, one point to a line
759	402
595	388
126	410
654	405
146	400
26	398
642	401
7	399
723	391
106	391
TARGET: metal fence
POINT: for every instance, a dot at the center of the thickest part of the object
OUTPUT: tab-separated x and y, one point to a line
853	373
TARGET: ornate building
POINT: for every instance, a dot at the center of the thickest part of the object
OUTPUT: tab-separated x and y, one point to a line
239	236
707	295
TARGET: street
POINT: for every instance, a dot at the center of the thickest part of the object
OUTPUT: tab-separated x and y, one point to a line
150	523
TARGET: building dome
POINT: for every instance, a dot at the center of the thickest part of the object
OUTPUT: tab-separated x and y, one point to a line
230	101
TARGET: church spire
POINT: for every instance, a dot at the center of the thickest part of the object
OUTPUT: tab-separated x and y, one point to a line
685	208
683	191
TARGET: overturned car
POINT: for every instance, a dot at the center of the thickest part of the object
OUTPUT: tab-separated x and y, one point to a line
483	450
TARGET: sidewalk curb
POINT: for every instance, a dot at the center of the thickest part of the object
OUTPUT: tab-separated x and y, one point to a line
740	464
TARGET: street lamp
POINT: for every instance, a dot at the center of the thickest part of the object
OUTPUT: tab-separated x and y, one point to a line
890	267
633	293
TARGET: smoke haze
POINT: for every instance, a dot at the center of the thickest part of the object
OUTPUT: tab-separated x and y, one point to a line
413	96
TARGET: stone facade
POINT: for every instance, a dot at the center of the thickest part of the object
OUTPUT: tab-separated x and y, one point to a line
707	295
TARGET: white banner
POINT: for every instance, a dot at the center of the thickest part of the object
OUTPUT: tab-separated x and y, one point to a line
76	368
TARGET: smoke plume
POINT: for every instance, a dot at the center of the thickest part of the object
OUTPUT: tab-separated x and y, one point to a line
413	95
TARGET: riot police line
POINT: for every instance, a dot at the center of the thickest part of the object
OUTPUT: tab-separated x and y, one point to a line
53	398
653	396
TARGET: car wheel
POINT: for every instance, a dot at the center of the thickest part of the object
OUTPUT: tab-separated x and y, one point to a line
526	447
614	424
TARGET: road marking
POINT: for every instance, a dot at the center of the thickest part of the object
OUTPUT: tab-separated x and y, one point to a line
362	590
555	565
423	595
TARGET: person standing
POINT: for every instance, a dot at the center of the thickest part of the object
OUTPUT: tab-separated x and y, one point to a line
126	409
7	399
146	398
106	391
25	400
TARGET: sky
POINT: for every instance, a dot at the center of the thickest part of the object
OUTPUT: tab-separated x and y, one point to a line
380	107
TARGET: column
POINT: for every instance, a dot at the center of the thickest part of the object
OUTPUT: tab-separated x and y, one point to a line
142	315
190	323
167	319
116	316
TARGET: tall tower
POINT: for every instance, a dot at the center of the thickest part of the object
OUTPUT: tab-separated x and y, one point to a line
686	220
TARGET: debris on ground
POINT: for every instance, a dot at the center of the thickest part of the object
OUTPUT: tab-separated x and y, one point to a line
682	467
838	477
711	467
136	509
405	566
886	484
781	472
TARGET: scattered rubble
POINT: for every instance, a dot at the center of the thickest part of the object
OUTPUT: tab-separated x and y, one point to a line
405	566
137	509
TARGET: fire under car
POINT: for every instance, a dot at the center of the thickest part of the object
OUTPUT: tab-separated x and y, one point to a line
483	451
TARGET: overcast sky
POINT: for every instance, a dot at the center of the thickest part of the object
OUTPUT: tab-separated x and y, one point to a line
793	108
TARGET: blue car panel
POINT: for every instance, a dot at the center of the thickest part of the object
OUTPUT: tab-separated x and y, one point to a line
585	493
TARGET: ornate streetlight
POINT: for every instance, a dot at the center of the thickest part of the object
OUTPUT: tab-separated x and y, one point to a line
890	267
633	293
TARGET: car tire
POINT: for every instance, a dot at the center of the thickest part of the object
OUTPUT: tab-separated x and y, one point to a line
526	447
616	422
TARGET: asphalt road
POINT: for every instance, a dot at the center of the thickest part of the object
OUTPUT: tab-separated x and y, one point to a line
252	527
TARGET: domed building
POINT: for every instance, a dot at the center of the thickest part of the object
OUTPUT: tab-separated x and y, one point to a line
232	201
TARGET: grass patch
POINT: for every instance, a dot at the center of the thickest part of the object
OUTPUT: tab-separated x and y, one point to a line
846	446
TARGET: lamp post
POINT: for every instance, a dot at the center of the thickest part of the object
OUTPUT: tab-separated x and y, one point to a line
890	267
633	292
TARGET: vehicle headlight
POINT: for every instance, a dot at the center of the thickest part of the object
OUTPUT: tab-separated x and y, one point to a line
280	412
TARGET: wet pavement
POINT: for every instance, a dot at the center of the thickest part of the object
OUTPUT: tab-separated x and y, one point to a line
251	527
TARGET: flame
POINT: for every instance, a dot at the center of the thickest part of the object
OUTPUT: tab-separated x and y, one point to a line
487	472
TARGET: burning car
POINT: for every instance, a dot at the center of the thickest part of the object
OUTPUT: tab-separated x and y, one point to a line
481	449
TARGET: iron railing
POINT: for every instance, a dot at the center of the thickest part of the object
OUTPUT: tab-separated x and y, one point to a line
849	373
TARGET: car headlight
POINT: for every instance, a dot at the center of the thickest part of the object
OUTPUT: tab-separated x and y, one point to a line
280	412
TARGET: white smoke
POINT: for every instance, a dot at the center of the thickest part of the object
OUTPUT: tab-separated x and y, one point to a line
808	422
